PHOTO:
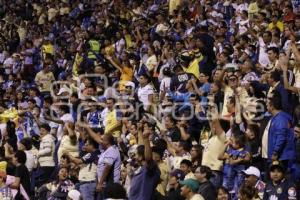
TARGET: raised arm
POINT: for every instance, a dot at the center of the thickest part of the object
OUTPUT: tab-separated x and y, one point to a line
110	59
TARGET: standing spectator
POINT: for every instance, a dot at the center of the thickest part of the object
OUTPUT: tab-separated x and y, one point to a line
146	178
109	163
145	92
26	146
88	169
236	158
278	137
45	156
22	177
45	78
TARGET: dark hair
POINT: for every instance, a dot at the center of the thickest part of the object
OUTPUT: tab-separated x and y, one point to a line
199	150
74	95
224	190
21	156
185	145
110	139
158	150
231	100
32	101
2	152
141	151
274	49
46	127
111	99
64	108
92	142
115	191
254	128
269	33
275	101
275	75
186	162
248	191
27	143
207	171
240	139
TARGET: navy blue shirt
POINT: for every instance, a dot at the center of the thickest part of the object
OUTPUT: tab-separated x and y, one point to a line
144	182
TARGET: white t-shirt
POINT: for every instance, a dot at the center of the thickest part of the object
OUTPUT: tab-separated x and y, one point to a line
165	84
197	197
212	149
143	93
65	118
264	150
30	160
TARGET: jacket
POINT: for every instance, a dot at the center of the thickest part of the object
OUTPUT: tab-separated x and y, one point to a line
281	137
46	151
284	190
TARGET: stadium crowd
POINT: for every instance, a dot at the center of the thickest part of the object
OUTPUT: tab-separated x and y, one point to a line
149	99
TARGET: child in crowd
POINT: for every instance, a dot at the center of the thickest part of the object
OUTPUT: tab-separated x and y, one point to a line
236	157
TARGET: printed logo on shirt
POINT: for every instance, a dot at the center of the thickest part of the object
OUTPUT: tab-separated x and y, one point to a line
292	192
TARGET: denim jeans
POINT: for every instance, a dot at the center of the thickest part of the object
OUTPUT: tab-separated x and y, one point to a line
88	191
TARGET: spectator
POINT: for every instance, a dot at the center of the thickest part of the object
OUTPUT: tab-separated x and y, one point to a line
236	156
278	137
247	193
174	190
189	189
22	176
223	194
252	179
206	188
45	156
146	177
287	189
87	173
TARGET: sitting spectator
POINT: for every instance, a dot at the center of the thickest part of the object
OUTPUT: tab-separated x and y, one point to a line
206	188
189	189
279	187
252	179
58	188
223	194
174	186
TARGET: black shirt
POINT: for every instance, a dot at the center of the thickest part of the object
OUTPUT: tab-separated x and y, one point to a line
174	194
207	190
23	173
179	81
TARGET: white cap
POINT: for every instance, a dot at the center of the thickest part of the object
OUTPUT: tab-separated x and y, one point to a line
131	84
74	194
252	171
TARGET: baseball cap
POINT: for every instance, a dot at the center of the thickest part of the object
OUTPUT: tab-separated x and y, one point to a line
130	84
178	174
190	183
252	171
